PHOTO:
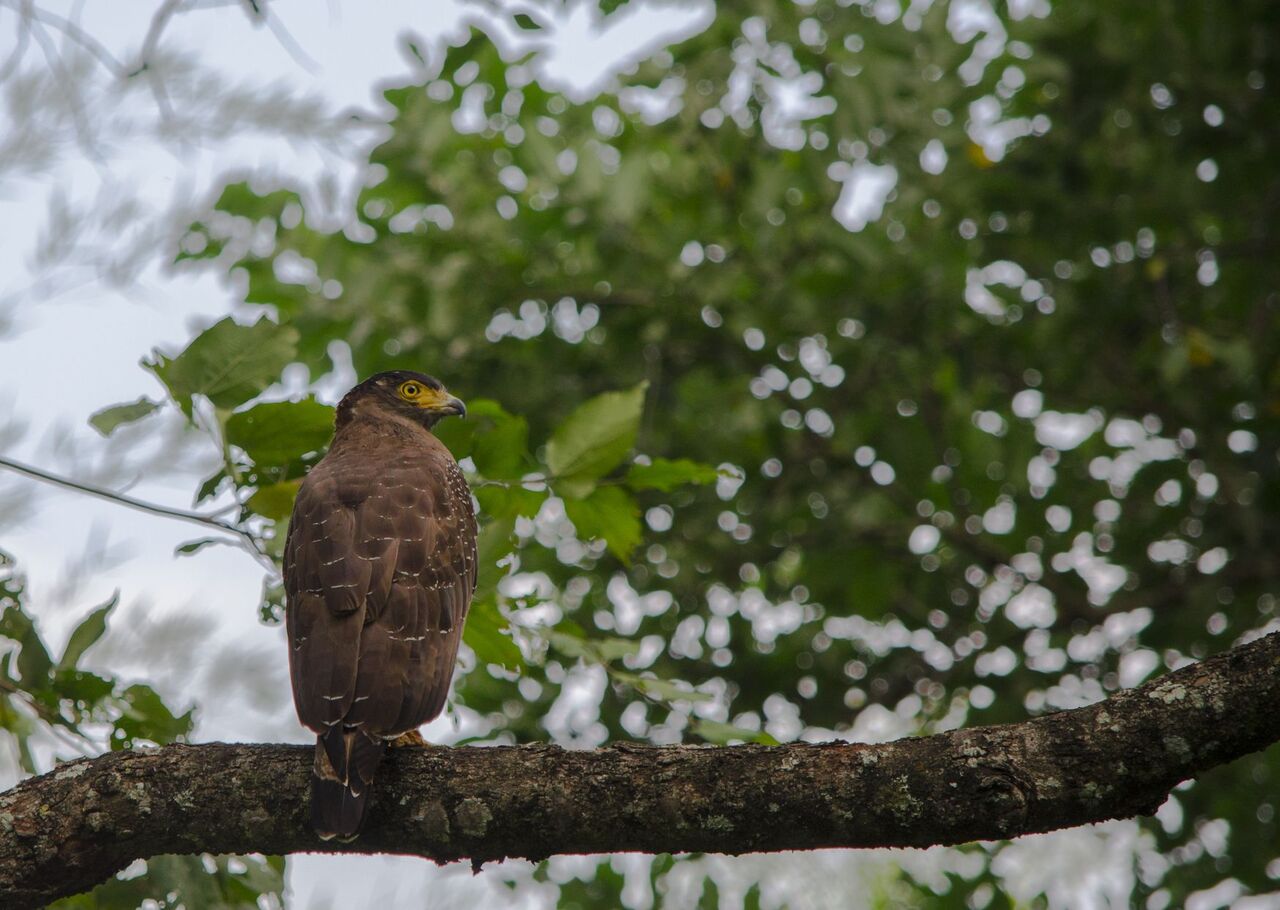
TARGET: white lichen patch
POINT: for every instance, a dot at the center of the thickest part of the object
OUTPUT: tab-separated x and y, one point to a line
1169	693
907	806
71	771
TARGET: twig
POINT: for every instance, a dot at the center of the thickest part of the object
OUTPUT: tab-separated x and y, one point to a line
20	48
130	502
154	31
290	44
79	36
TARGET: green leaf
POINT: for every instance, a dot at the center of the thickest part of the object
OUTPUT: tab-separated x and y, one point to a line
106	420
281	432
484	634
195	546
34	663
172	881
275	501
661	689
144	716
609	514
271	607
500	453
209	488
573	646
599	650
595	438
228	363
666	475
89	631
80	686
721	734
460	435
505	502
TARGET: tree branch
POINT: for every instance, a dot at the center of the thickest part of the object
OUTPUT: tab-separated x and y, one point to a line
69	829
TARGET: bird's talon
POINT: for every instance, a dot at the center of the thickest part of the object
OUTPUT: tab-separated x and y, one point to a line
412	738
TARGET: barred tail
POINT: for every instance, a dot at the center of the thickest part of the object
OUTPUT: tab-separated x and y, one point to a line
341	780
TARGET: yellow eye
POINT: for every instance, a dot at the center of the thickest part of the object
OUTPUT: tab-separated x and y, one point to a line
411	390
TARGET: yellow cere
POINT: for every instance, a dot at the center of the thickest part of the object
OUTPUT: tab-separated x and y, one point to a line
421	395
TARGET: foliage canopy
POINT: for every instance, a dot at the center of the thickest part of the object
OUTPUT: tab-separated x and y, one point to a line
945	338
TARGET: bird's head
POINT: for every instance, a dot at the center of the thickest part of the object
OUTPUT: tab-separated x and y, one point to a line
416	396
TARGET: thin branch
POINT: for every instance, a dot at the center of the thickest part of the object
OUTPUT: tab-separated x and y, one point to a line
69	829
149	43
128	501
23	40
56	64
290	44
80	37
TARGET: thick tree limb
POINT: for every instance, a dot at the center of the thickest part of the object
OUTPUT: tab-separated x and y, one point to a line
67	830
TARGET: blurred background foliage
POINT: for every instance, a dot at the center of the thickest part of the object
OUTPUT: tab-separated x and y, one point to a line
850	369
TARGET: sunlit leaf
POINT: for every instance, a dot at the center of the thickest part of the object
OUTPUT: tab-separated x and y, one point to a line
228	363
610	514
275	501
594	439
666	475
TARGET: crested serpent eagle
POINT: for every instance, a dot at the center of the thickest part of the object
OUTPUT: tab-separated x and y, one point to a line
379	568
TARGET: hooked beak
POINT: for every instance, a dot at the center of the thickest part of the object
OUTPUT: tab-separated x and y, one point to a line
454	406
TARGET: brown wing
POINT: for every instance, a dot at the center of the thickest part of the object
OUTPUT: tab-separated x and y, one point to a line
380	566
410	640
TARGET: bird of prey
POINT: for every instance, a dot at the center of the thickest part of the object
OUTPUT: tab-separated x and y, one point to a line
379	569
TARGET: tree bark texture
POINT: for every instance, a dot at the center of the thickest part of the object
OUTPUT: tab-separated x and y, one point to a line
65	831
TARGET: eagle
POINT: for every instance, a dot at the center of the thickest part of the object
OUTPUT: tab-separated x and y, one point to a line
379	569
